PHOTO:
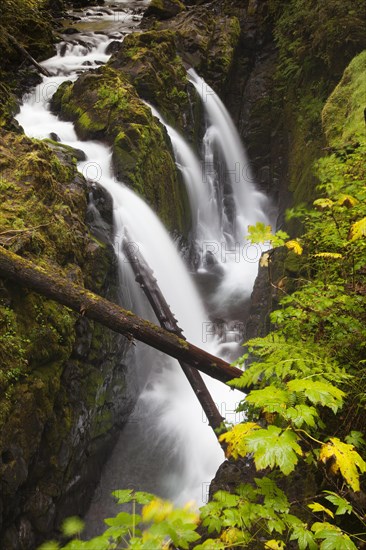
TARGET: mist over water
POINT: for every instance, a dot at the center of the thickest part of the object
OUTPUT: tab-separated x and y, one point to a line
167	445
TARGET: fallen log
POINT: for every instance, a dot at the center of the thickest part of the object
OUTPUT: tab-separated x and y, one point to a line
148	283
51	285
27	55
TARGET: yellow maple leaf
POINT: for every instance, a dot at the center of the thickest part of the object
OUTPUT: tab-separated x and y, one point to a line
274	545
157	510
235	438
317	507
231	536
345	459
295	246
264	261
358	230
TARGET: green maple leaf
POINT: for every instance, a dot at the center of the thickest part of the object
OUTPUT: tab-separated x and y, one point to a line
183	533
142	497
333	538
226	499
301	414
318	392
274	447
305	538
270	399
123	495
343	506
259	233
72	526
274	497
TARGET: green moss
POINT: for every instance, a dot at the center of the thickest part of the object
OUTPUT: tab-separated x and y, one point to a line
165	9
149	60
315	42
31	24
343	114
105	104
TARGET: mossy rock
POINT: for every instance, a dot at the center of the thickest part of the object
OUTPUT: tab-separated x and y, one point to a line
8	106
344	114
164	9
62	381
207	40
151	63
104	105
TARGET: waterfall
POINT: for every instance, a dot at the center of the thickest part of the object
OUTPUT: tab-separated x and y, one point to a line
227	262
233	163
203	202
167	446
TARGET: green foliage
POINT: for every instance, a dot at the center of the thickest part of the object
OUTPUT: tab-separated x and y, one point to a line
72	526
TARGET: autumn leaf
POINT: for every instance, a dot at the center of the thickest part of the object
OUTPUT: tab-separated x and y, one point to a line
317	507
294	246
274	545
347	200
345	459
157	510
358	230
235	438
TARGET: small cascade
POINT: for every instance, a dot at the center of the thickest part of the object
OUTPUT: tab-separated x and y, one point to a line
233	166
205	211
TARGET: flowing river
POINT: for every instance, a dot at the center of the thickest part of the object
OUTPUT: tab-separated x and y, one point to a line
167	446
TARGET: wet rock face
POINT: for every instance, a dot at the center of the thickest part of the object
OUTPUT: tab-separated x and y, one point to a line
63	380
164	9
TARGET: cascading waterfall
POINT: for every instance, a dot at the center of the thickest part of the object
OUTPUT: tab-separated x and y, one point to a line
168	436
203	202
226	171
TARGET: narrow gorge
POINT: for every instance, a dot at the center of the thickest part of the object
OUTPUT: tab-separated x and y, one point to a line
222	142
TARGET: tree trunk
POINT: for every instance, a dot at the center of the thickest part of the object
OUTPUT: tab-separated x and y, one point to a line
51	285
27	55
147	281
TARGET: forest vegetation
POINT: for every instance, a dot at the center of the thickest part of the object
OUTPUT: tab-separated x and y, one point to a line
304	437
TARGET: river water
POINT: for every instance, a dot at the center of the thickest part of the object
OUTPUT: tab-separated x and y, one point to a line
167	446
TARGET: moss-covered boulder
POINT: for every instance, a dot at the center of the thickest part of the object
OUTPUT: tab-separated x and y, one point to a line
206	39
62	379
152	64
104	105
344	114
164	9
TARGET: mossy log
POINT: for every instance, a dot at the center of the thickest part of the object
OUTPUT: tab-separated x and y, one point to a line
26	273
26	54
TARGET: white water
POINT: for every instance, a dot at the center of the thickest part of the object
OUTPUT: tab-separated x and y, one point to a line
204	207
224	254
168	436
